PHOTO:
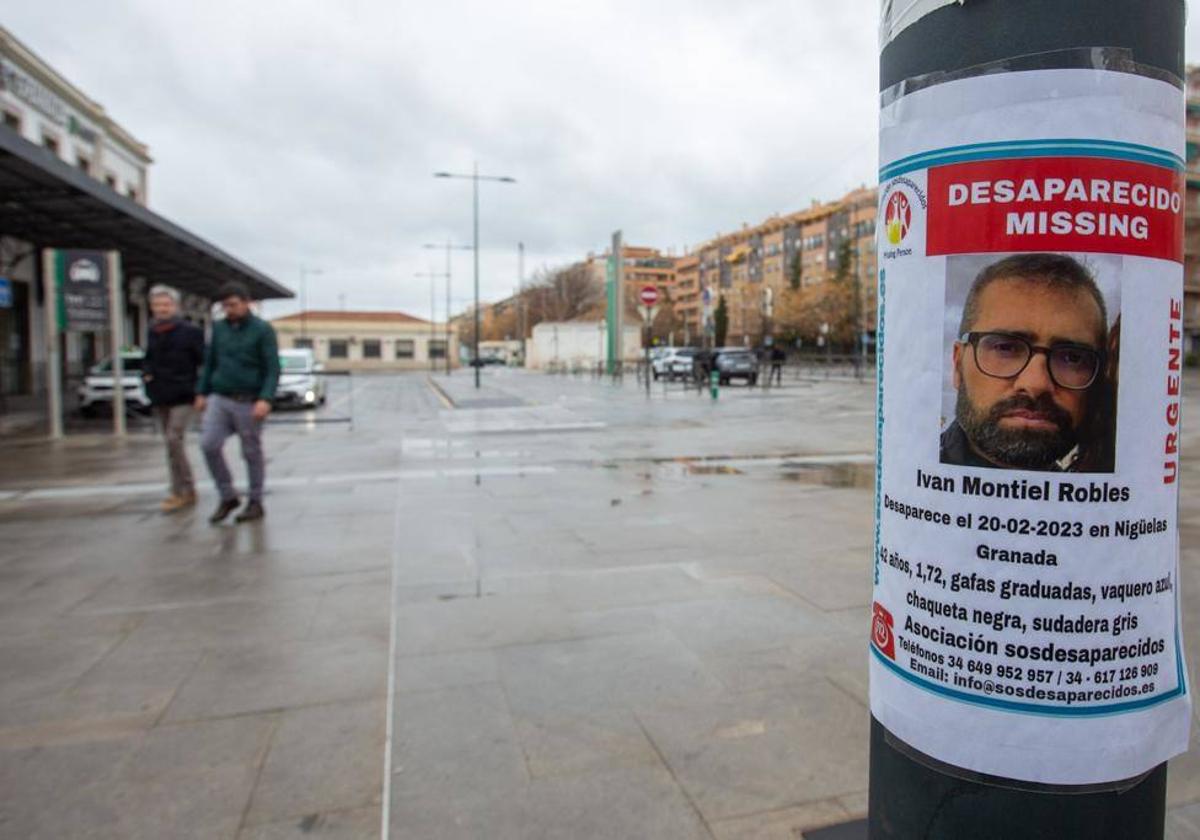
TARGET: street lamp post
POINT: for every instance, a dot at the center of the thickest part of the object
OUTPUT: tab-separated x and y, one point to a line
304	273
449	246
475	178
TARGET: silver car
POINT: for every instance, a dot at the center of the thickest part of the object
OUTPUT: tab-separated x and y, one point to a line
300	384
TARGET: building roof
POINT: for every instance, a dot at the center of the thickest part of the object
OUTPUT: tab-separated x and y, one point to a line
51	204
351	315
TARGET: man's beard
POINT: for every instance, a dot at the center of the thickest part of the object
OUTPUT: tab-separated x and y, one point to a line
1028	449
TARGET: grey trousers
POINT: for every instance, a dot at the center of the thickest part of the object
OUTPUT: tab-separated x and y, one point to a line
224	417
174	420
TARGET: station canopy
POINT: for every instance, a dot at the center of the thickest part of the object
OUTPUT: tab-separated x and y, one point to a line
51	204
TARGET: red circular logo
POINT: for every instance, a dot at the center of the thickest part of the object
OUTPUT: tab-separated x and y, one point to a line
897	217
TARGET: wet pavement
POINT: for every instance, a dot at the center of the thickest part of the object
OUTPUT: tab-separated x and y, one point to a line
550	608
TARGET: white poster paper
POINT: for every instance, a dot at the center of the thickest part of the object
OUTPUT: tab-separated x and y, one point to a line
1025	620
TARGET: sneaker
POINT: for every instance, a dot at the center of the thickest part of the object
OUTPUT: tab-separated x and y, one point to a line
226	507
174	503
251	512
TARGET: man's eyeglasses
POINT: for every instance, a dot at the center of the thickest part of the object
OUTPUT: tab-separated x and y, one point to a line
1005	356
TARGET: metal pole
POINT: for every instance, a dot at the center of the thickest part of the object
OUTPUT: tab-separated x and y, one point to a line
913	795
303	303
116	322
475	337
646	347
521	296
432	319
54	406
447	307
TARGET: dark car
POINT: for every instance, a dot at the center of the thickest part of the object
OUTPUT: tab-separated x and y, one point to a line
729	362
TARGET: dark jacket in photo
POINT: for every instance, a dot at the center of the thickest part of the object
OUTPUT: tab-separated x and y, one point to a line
242	359
174	353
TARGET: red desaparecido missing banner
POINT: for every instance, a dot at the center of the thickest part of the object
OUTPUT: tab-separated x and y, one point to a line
1096	205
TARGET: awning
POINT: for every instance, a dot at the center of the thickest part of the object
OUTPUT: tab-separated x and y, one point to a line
738	253
51	204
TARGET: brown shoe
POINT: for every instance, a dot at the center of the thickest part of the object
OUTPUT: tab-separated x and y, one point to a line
173	503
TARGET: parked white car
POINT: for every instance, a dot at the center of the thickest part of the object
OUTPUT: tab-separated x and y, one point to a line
299	382
96	392
679	364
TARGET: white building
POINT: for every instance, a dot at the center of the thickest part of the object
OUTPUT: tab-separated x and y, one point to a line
577	344
346	340
72	178
46	109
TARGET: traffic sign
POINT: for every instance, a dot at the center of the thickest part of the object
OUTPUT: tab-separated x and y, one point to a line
648	295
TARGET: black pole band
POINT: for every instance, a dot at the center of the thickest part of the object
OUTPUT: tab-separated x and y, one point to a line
912	798
955	38
909	800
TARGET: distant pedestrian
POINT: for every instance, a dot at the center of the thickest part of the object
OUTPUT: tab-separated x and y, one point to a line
777	359
174	353
237	384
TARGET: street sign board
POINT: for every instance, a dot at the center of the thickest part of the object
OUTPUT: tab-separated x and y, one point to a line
648	295
83	290
647	312
5	293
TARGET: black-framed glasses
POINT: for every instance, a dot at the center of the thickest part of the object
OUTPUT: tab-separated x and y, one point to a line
1004	356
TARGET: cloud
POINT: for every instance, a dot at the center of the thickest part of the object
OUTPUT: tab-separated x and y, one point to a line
306	132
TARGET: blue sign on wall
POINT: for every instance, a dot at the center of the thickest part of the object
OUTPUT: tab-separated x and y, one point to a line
5	293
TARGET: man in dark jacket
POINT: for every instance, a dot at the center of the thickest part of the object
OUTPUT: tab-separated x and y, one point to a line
174	352
237	384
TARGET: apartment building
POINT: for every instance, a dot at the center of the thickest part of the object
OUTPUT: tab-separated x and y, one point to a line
643	267
796	250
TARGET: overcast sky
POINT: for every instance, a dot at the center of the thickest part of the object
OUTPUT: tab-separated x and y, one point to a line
306	133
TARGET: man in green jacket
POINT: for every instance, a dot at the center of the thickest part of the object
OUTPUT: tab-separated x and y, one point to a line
237	384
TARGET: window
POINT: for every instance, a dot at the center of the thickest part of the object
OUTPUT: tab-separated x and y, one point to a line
405	348
111	180
83	163
133	193
339	348
372	348
302	343
437	349
12	120
50	142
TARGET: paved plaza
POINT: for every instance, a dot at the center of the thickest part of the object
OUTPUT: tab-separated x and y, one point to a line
551	608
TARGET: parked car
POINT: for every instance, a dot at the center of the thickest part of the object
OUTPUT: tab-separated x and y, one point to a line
96	392
729	362
660	361
299	382
673	363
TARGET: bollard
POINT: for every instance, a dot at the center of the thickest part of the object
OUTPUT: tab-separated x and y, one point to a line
1011	695
714	383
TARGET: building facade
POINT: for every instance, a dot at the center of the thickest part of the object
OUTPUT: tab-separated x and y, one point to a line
71	177
754	267
578	344
364	341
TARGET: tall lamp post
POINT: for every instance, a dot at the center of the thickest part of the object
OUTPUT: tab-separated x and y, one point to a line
449	246
304	274
475	178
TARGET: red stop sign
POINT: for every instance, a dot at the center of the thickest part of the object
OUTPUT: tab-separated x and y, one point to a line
648	295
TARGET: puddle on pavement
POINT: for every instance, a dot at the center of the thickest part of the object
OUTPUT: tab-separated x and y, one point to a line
830	475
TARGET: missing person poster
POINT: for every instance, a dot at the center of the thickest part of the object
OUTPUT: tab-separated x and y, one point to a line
1026	606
